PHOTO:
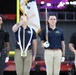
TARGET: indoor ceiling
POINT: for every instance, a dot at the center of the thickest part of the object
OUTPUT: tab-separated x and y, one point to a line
51	1
53	4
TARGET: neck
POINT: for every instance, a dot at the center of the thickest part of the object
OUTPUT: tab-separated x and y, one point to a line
52	26
24	26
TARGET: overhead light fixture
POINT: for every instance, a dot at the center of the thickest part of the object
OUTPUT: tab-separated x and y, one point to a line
48	4
74	2
61	4
42	2
67	3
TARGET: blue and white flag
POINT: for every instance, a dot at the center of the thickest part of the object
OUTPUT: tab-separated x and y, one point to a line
29	7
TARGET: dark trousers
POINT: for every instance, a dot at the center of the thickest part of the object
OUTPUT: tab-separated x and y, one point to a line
2	61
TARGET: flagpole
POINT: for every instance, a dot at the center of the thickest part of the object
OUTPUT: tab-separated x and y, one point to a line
18	10
17	19
46	24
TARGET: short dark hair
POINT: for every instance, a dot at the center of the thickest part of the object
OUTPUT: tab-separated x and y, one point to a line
53	14
22	14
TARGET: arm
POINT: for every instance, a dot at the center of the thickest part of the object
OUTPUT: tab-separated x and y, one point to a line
43	39
42	43
7	46
72	43
63	48
15	27
23	21
71	47
34	48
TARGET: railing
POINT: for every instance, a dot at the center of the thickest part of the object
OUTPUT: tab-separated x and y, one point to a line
62	16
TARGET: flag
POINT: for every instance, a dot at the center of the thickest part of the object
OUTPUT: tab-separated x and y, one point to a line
29	7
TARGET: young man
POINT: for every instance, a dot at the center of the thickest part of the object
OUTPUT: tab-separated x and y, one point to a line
25	38
72	45
4	46
54	46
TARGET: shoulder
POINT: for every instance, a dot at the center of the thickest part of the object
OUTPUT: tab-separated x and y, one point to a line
30	28
60	29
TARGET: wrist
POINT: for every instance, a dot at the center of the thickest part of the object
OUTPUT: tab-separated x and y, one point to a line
18	24
63	55
7	54
34	55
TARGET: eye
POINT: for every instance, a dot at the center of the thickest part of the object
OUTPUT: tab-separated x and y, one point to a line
52	19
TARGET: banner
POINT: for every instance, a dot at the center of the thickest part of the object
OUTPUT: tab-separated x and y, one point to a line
30	8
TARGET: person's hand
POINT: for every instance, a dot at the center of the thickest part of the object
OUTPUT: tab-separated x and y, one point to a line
21	22
46	44
63	59
7	59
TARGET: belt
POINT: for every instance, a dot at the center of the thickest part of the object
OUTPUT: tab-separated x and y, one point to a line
53	49
19	49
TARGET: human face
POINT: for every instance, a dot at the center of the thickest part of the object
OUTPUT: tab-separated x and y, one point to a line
24	19
52	20
1	20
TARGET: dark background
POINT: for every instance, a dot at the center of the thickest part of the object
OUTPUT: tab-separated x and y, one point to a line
9	7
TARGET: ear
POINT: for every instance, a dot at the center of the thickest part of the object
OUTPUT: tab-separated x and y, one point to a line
47	21
56	20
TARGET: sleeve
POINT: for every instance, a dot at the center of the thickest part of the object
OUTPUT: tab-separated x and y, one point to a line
42	35
34	35
62	36
72	39
16	35
6	37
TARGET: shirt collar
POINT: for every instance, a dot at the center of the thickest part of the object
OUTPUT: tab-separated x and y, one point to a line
52	29
26	28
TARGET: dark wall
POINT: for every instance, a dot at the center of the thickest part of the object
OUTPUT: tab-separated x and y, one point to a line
7	6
